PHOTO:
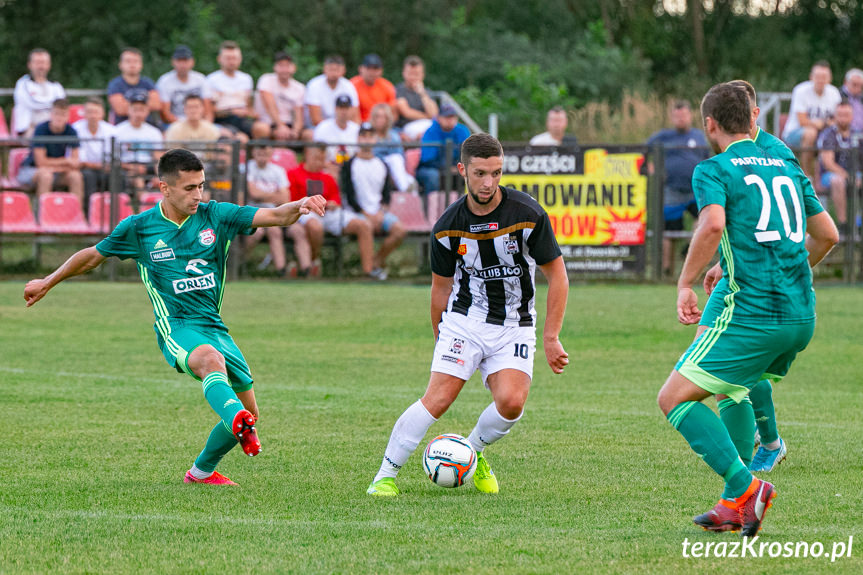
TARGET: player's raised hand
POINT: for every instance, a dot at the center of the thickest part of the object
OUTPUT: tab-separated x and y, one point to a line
316	204
555	355
35	290
711	278
687	306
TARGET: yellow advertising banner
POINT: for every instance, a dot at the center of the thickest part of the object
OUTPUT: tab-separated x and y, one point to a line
606	205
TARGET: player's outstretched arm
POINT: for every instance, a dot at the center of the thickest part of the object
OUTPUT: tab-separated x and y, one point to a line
711	224
558	291
288	213
821	236
80	262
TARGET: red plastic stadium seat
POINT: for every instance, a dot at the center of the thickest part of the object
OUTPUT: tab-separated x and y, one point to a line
149	200
16	158
76	112
409	209
16	214
285	158
438	202
60	213
4	127
100	211
412	160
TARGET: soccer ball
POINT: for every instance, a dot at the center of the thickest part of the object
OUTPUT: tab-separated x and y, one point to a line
449	460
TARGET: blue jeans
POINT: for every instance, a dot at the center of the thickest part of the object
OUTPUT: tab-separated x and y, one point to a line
428	178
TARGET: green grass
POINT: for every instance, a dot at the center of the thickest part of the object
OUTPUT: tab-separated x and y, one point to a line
98	432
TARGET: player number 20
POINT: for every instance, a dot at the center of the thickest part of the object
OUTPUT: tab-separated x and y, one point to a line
778	183
520	350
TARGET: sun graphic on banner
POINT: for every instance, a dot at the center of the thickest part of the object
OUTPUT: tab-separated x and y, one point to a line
624	230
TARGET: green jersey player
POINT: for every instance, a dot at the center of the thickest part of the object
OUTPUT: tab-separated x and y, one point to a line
755	208
181	248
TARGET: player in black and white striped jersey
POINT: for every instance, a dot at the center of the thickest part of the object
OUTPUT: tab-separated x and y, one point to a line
485	250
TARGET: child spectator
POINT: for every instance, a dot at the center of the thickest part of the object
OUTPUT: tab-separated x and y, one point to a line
95	150
389	147
267	187
141	144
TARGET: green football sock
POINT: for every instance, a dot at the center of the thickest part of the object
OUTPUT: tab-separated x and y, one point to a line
221	397
739	420
765	414
220	442
709	439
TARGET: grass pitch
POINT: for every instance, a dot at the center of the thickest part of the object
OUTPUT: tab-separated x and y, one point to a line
99	431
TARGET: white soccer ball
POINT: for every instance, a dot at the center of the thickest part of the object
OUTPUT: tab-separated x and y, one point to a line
449	460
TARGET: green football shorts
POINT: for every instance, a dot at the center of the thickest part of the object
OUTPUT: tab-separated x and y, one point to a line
731	359
182	341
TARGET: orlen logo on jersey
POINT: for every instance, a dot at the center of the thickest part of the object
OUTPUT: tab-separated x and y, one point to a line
490	227
496	272
207	237
192	284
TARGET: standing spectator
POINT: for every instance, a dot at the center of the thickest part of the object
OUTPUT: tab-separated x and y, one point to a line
852	90
140	144
835	145
95	150
812	105
684	147
555	134
322	91
372	88
416	108
279	100
34	94
267	187
367	187
339	130
389	147
433	160
54	164
183	81
309	179
193	127
129	82
231	91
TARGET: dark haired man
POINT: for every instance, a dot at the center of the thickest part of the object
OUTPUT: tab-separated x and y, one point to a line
757	207
279	100
131	82
181	247
54	163
485	250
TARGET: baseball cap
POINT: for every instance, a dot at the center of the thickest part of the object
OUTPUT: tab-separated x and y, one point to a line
344	101
447	110
138	96
366	128
372	61
182	52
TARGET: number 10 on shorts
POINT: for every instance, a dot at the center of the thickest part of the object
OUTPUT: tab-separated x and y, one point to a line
521	350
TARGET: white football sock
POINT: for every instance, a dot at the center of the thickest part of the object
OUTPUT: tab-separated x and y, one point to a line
490	427
407	433
198	474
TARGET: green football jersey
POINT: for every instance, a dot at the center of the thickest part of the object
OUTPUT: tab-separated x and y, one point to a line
182	266
766	275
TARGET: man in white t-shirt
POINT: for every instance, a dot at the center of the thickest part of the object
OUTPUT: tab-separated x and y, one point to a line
95	150
267	187
555	134
812	106
182	81
279	100
34	94
140	144
231	91
366	186
322	91
341	132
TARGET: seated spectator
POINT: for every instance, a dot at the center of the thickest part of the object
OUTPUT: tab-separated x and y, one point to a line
555	134
367	189
812	105
50	165
129	82
310	178
193	127
140	143
339	130
95	150
835	146
416	108
372	88
279	100
231	91
433	161
34	94
267	187
181	82
852	91
322	91
389	147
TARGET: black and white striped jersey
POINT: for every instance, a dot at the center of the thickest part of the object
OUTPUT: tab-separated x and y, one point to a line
493	258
